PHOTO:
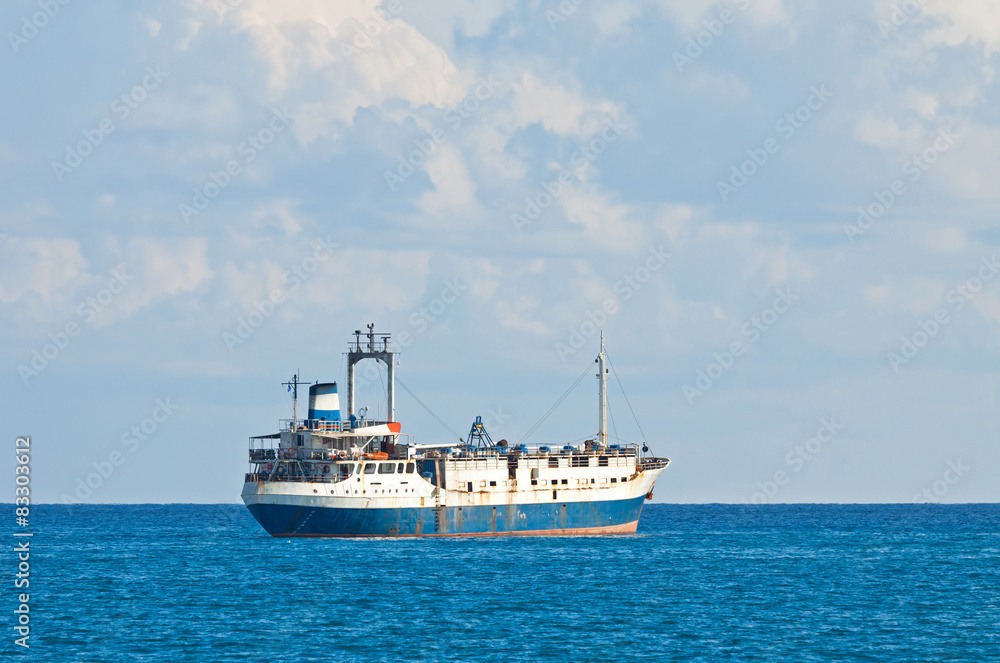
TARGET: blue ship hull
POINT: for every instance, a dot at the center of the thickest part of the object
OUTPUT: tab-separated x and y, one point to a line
599	517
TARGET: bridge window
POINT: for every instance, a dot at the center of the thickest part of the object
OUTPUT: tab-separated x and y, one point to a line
565	481
614	480
399	470
409	468
386	468
369	468
493	483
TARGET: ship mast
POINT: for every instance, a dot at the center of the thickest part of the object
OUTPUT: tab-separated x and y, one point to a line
359	351
293	386
602	376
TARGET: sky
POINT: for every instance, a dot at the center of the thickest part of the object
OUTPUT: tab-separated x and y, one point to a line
781	214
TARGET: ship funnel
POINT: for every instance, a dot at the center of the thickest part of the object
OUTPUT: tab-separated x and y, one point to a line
324	403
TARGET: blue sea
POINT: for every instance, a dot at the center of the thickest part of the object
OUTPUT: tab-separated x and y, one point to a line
696	583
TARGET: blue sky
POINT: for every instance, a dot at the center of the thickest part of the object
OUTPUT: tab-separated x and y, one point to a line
782	214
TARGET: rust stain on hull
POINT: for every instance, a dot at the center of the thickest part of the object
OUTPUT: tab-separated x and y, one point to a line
625	528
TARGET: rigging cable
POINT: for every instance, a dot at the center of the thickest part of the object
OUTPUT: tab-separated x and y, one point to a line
612	415
554	406
644	440
429	411
384	391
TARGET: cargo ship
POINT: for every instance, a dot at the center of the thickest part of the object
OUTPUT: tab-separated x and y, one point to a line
327	476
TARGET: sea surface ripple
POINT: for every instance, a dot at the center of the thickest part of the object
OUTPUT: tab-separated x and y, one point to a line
696	583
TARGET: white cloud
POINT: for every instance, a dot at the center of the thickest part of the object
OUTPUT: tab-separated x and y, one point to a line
454	191
946	240
614	18
558	110
988	305
153	26
689	14
160	267
303	41
883	132
744	252
516	314
924	103
675	221
396	284
280	215
605	222
912	295
483	277
48	268
191	29
961	21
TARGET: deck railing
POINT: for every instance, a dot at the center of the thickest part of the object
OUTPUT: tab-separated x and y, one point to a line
322	425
